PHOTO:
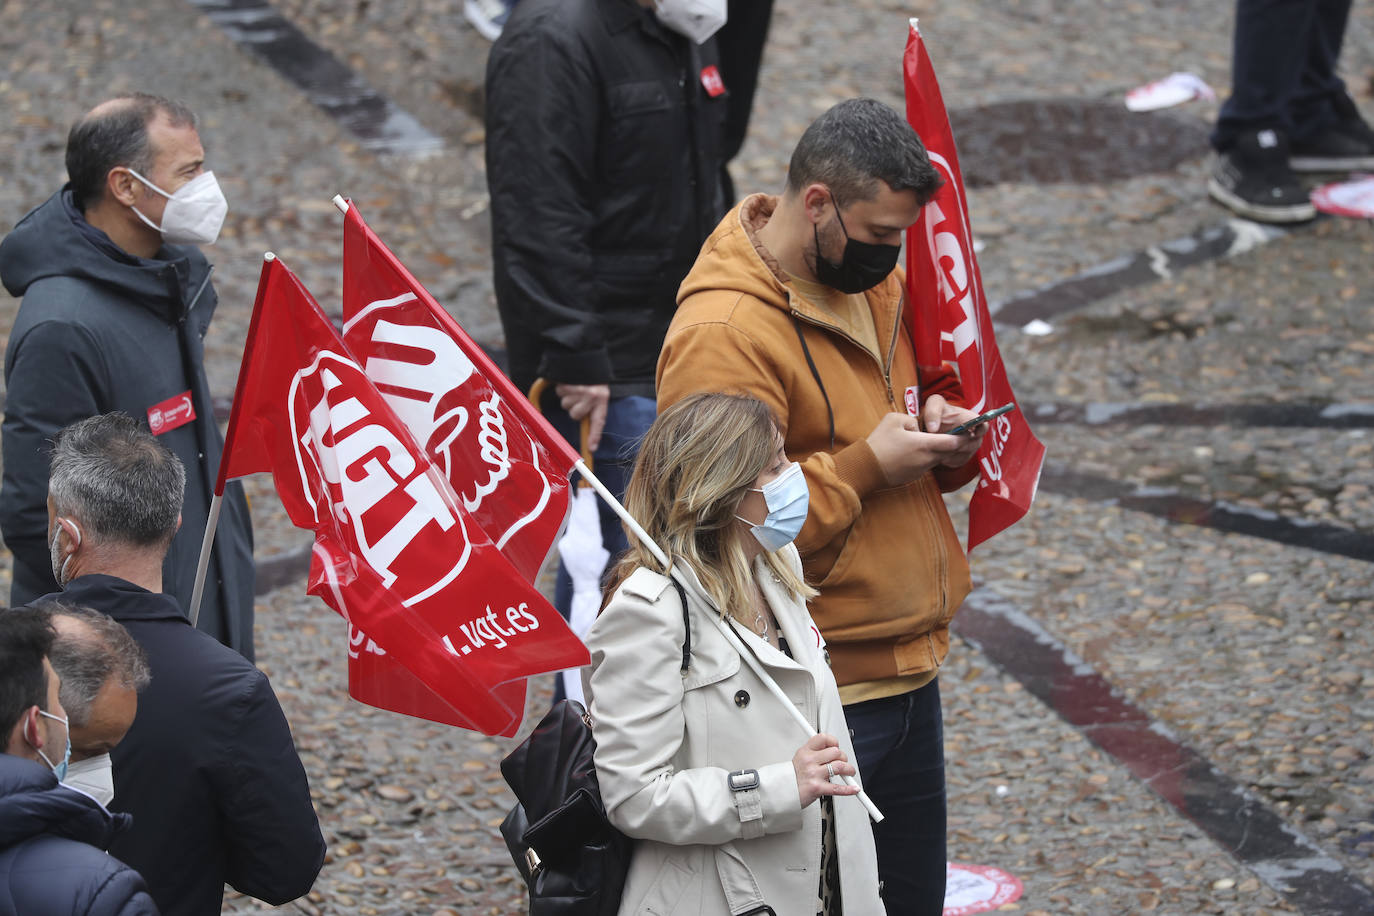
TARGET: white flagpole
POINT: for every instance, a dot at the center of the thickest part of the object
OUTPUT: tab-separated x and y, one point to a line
725	630
211	524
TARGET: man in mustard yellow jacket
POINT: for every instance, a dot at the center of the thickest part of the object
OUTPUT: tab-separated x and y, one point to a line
797	300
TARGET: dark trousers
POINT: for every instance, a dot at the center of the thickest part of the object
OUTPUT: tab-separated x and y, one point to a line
1283	70
899	743
740	43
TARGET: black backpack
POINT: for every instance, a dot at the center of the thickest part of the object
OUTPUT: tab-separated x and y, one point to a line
573	860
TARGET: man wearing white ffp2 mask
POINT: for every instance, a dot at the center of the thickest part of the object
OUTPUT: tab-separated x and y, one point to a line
111	277
102	669
696	19
191	216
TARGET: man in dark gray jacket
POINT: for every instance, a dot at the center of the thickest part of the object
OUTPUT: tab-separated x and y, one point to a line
116	303
208	771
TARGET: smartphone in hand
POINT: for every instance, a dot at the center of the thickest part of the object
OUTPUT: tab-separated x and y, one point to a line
970	425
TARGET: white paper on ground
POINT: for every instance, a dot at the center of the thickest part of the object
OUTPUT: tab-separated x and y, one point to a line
1353	198
584	557
1174	89
1037	328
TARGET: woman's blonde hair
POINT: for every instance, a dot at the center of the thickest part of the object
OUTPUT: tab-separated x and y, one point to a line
695	465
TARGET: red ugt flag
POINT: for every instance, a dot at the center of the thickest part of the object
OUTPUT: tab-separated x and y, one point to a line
395	552
949	319
505	463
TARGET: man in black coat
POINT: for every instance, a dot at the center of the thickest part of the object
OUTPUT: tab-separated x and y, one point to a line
605	127
52	838
208	770
115	308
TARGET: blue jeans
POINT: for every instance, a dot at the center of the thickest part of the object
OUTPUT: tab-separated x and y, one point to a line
899	746
627	419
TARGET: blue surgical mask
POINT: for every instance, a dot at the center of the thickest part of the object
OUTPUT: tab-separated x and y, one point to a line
787	500
60	770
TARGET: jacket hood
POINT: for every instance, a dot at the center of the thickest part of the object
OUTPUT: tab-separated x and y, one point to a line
49	242
732	259
32	802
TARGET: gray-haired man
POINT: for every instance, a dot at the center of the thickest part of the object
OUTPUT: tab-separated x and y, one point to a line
208	769
102	670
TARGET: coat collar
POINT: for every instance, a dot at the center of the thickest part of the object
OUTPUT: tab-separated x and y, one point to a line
121	599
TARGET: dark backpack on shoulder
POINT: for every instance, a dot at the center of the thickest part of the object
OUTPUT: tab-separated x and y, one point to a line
573	861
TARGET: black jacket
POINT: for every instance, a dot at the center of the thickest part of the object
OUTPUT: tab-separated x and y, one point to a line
604	164
208	770
52	842
101	330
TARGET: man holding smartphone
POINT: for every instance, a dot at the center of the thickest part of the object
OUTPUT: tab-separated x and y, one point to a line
797	300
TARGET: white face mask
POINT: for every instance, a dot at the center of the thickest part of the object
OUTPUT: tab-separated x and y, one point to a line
94	776
194	214
697	19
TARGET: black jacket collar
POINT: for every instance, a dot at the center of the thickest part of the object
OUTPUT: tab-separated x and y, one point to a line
120	599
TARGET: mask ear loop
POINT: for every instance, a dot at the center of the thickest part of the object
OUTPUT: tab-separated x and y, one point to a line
74	532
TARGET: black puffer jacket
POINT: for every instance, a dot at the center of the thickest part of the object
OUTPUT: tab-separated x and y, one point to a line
52	842
604	164
101	330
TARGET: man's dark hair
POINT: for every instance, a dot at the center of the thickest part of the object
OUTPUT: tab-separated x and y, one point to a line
857	144
26	638
117	136
117	481
89	656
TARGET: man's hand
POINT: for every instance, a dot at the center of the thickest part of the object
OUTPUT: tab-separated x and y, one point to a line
941	416
586	401
904	452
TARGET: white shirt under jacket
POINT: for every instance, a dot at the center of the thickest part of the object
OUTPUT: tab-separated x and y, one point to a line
665	743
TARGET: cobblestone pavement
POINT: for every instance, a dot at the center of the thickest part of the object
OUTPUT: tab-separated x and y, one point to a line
1253	653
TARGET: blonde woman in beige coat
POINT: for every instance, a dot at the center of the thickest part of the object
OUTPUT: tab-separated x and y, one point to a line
733	810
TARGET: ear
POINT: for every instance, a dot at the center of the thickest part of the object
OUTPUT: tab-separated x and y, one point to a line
121	185
178	527
73	531
816	201
30	731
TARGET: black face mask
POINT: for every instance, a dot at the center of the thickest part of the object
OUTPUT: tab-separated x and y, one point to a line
863	266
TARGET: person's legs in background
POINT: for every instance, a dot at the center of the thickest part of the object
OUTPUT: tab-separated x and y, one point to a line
1328	132
1252	175
899	748
627	420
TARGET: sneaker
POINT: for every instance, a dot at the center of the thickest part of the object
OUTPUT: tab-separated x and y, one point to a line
1345	146
1253	179
488	17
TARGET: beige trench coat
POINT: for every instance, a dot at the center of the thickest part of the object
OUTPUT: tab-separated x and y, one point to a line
667	741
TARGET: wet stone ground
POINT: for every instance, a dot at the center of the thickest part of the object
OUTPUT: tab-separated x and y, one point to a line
1251	652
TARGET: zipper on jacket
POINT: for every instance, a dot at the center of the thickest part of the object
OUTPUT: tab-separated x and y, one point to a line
838	332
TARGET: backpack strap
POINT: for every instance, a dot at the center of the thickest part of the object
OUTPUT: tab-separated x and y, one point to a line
686	626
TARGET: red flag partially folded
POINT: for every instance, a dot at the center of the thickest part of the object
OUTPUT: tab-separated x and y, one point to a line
949	317
504	461
395	551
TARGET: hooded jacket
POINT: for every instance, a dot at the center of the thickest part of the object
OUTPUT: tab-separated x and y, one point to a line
208	770
52	850
101	330
603	151
887	562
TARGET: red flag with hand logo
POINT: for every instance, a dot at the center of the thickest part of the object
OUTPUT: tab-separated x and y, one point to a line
506	464
396	552
949	318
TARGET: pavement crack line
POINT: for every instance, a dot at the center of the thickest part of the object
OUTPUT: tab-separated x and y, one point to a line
1229	814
